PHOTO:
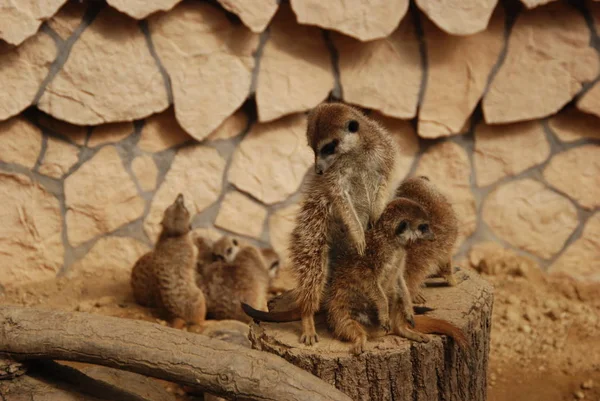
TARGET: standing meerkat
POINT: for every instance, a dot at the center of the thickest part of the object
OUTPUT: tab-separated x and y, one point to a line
424	259
170	267
356	175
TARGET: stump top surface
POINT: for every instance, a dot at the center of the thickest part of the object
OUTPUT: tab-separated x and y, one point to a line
457	305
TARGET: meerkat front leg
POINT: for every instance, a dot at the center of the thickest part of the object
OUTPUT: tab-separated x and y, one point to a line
447	273
403	315
383	307
349	217
381	200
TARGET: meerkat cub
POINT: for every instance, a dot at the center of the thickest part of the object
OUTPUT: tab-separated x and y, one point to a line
226	249
424	259
356	176
169	270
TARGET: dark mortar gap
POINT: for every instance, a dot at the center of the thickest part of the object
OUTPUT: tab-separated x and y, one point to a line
416	17
58	41
337	92
262	41
163	72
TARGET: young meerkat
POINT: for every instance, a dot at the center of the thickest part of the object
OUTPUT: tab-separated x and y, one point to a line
226	249
356	175
424	259
170	266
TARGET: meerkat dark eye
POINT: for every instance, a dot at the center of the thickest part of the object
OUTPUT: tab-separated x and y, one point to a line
330	148
353	126
423	228
401	227
275	265
235	242
229	250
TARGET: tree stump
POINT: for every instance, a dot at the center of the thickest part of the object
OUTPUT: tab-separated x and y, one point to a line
393	368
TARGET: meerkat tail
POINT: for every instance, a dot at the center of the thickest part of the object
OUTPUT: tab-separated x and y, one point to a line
275	317
421	310
429	325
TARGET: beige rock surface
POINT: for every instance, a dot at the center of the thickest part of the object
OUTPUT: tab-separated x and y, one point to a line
22	70
140	9
255	15
60	156
581	259
507	150
145	172
459	67
68	18
281	225
576	172
75	133
493	259
571	125
100	197
548	58
590	101
162	131
296	72
241	215
459	17
209	61
272	178
535	3
21	19
110	76
233	126
447	166
197	173
363	20
207	232
110	133
20	142
526	214
405	136
383	74
31	231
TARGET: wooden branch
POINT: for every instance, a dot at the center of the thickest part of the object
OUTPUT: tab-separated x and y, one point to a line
153	350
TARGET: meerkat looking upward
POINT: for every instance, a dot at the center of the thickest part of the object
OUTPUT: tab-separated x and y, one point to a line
356	174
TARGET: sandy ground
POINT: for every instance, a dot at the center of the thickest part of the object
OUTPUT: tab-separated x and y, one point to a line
545	341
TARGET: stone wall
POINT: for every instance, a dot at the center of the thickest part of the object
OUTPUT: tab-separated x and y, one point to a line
107	111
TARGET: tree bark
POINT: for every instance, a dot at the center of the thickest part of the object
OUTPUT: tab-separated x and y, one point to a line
393	368
157	351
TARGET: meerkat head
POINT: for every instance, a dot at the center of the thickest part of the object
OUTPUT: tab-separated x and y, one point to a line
176	218
405	221
334	129
226	249
271	260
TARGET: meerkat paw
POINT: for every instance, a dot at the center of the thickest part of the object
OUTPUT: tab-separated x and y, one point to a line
409	317
360	244
451	280
178	323
419	299
412	335
309	338
359	346
386	325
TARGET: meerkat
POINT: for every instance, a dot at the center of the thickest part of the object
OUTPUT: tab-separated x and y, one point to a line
170	269
424	259
356	174
226	249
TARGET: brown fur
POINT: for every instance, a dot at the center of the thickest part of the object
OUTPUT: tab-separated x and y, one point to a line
168	270
424	259
352	186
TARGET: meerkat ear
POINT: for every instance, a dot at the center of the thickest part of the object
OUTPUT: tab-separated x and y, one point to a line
179	199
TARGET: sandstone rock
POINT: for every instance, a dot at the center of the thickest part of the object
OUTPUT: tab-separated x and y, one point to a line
369	71
207	232
100	197
20	142
301	52
110	133
576	172
447	166
21	19
145	172
531	217
209	61
405	136
233	126
140	9
110	76
31	231
359	19
590	101
281	225
241	215
75	133
534	3
459	67
255	15
161	131
68	18
571	125
106	268
493	259
22	70
548	58
60	156
581	259
459	17
507	150
273	178
197	173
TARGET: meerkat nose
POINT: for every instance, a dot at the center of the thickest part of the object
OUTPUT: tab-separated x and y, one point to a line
318	170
